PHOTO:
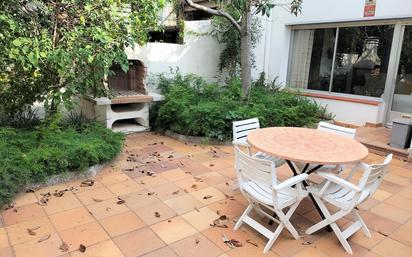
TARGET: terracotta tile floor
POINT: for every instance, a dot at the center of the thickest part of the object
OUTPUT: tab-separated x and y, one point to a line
129	213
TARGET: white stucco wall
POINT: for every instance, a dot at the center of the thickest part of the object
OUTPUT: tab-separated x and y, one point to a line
353	113
199	54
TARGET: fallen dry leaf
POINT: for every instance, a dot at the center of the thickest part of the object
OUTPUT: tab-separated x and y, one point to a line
43	238
251	242
120	201
230	197
197	240
82	248
64	247
97	200
220	222
31	232
157	214
194	186
150	193
87	183
175	192
232	243
207	197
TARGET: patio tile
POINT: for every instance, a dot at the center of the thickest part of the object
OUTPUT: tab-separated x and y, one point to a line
389	247
196	245
173	229
166	191
163	166
381	195
162	252
229	187
58	204
92	196
403	234
248	249
113	178
215	234
125	187
151	181
77	188
19	233
287	246
191	166
148	213
184	203
208	195
311	252
107	208
87	234
139	199
368	204
121	223
46	248
25	198
217	164
213	178
228	172
379	223
71	218
201	218
230	208
23	213
4	241
102	249
6	252
175	175
332	247
138	242
50	189
390	187
399	201
391	212
361	239
190	184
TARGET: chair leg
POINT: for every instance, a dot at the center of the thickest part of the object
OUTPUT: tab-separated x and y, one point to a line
285	220
365	229
273	238
245	213
340	237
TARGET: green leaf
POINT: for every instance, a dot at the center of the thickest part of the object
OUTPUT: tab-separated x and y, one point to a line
17	42
33	59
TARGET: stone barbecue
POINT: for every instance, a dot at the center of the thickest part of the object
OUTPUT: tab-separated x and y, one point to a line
128	109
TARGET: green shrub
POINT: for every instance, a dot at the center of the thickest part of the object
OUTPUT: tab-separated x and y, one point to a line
29	156
197	108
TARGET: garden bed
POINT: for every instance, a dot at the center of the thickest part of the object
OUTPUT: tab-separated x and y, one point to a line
195	108
30	157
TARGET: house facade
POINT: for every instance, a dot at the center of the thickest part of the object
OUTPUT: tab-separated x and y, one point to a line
354	56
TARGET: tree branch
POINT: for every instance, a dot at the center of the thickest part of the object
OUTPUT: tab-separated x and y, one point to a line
215	12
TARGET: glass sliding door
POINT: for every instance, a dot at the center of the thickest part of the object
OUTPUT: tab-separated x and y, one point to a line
361	61
402	96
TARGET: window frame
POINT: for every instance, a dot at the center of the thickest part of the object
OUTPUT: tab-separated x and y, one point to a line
337	26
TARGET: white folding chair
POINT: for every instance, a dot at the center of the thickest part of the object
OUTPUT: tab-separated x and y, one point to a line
347	132
346	196
258	183
241	130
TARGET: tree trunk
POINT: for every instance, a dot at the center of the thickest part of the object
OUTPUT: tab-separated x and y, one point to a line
245	53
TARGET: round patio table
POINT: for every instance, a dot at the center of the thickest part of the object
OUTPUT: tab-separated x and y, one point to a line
308	146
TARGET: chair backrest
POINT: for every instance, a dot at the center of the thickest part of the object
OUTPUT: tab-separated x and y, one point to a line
348	132
260	171
373	175
241	129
